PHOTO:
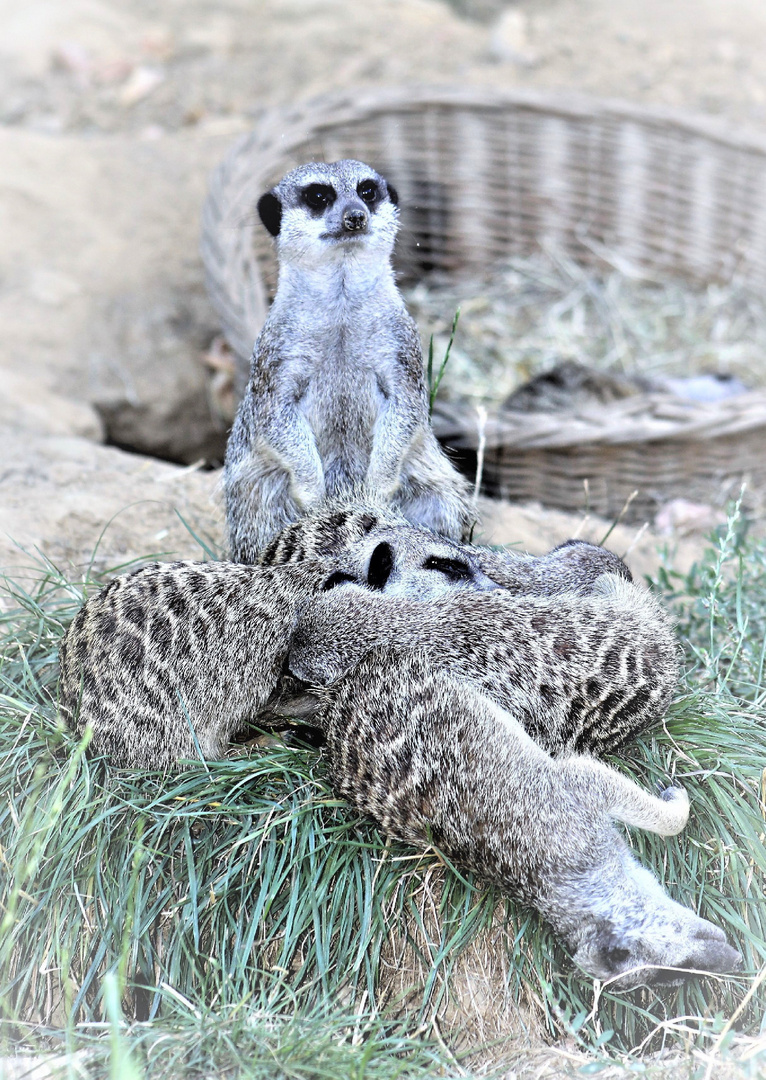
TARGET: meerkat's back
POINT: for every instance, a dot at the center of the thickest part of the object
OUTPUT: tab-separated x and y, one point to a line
169	661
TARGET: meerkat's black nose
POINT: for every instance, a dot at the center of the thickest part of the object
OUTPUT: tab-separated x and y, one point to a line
354	219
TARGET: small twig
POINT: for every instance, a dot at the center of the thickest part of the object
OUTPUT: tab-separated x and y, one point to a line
481	427
635	540
619	517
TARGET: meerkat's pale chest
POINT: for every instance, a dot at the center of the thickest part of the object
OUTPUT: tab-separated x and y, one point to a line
341	371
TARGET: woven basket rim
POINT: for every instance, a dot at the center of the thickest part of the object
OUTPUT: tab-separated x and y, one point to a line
640	418
337	107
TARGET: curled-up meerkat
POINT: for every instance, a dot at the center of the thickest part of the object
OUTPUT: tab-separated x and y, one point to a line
580	671
334	524
336	400
438	763
170	661
564	708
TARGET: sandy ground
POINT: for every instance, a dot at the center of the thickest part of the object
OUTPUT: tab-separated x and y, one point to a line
112	115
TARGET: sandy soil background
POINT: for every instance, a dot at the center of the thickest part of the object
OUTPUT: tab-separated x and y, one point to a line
112	115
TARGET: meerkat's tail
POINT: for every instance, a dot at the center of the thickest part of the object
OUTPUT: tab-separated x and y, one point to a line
623	800
665	815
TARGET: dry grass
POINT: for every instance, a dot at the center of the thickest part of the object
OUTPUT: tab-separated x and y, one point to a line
544	308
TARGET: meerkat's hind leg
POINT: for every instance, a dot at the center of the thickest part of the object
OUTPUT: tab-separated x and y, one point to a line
260	506
433	494
443	512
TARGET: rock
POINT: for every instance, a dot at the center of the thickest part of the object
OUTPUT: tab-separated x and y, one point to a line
509	40
148	369
681	517
26	405
139	84
103	299
68	498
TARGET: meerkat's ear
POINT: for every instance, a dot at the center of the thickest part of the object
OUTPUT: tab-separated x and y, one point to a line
393	194
270	212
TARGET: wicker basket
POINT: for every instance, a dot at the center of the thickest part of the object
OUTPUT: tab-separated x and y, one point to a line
484	174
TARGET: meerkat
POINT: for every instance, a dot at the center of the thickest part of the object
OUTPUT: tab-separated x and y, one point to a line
170	661
627	705
410	562
580	672
573	567
336	401
335	524
438	763
167	662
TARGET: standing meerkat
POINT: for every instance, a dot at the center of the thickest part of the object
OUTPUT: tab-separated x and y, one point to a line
336	400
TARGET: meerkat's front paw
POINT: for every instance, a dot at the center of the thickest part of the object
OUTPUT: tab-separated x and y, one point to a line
307	497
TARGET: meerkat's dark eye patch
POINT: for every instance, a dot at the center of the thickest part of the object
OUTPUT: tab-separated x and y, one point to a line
453	569
368	191
615	957
270	212
380	567
339	577
318	196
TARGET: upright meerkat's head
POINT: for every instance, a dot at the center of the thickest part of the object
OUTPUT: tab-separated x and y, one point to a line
411	562
321	213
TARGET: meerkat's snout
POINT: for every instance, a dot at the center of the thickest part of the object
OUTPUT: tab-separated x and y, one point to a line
355	219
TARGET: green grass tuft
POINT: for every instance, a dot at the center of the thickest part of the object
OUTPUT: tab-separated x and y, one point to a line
238	919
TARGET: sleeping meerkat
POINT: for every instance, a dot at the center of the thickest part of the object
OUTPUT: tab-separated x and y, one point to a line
336	400
169	661
172	660
580	672
642	642
333	525
460	723
438	763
